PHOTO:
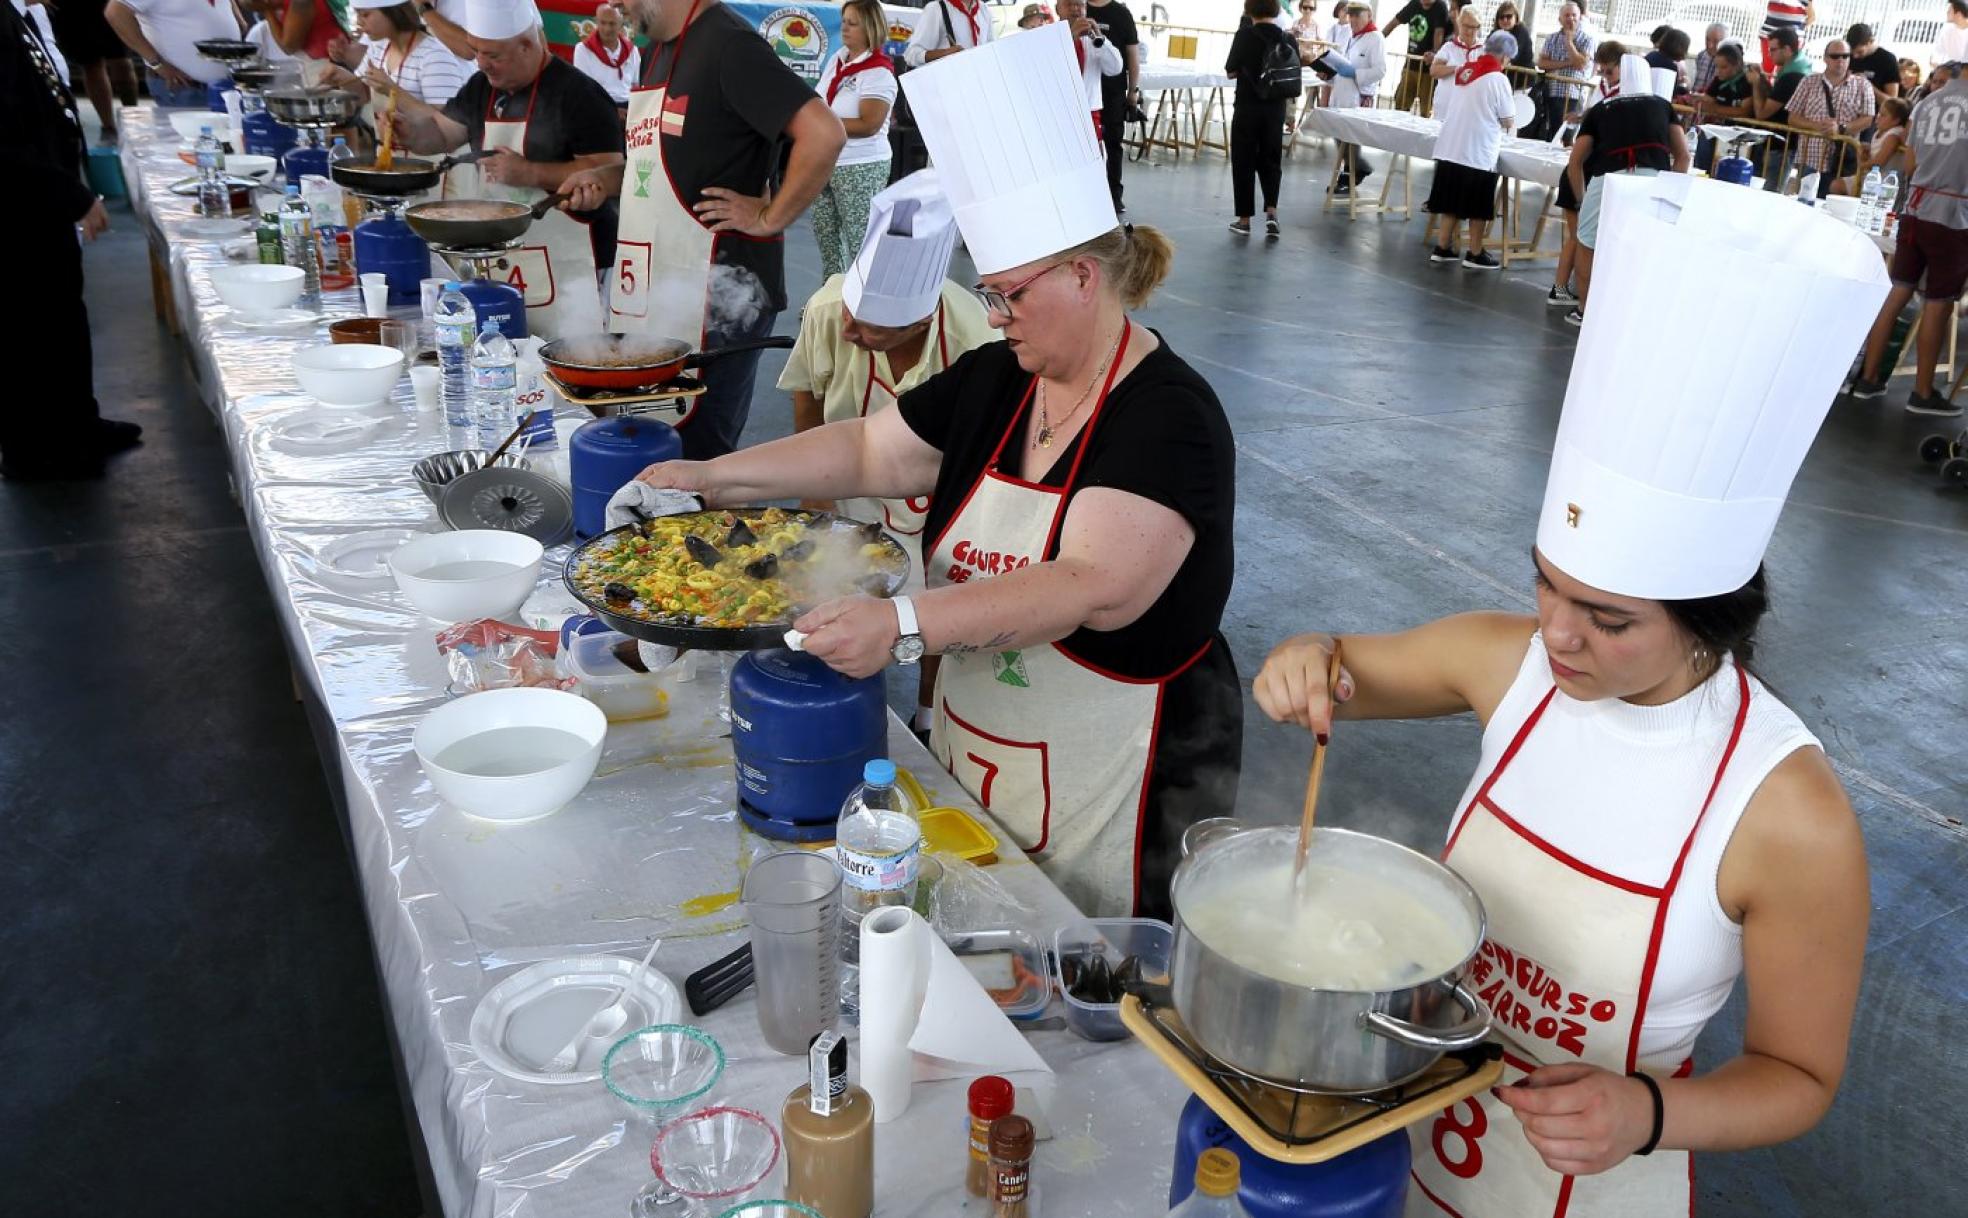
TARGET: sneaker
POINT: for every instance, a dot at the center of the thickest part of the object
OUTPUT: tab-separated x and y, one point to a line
1862	389
1342	187
1575	318
1240	227
1476	260
1933	403
115	436
1442	253
1559	297
1270	227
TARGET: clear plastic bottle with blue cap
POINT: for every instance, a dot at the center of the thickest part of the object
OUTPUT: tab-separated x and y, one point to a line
878	843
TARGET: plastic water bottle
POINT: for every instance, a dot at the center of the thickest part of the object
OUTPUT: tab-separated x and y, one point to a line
297	242
456	325
495	385
878	843
213	197
1889	198
1869	213
1217	1176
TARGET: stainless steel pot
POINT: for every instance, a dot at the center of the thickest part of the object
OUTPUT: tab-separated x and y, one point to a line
1332	1041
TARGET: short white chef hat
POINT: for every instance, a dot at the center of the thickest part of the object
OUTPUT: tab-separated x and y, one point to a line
492	20
897	278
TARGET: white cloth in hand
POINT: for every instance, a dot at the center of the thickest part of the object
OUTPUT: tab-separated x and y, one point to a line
650	501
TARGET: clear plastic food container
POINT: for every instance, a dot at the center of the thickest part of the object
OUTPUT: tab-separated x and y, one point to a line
1010	965
590	654
1113	940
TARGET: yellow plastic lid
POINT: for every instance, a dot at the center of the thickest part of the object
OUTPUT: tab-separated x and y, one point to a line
1216	1172
954	831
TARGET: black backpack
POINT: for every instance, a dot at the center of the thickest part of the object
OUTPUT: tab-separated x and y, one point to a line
1281	77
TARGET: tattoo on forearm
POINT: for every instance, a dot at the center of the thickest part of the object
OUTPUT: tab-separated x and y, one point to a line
996	642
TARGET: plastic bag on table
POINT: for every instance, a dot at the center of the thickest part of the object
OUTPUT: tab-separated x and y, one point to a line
966	896
488	654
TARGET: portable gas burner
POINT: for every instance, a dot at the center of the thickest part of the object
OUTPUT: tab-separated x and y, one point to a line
670	402
478	269
1293	1126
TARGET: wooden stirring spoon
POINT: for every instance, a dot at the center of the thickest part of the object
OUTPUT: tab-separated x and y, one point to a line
1318	773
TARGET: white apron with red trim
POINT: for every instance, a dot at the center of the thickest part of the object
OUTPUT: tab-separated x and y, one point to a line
661	281
902	517
1058	751
1566	972
555	269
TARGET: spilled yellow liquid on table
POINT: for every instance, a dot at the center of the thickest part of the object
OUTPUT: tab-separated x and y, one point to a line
708	904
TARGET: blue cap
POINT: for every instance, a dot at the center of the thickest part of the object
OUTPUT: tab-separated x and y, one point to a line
879	773
450	285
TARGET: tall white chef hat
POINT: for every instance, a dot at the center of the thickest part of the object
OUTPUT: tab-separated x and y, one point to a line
1636	78
374	3
1664	81
897	278
1669	474
1007	128
492	20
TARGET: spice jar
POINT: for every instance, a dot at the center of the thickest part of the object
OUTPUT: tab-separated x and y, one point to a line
991	1097
1011	1167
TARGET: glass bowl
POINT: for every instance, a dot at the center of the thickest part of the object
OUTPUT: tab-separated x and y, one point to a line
657	1070
715	1153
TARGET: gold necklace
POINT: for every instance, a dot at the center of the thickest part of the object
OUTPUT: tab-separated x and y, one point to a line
1046	430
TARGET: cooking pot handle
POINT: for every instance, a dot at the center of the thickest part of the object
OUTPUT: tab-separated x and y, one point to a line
1466	1034
1203	832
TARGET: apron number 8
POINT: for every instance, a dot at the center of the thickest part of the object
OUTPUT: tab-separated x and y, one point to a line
1471	1161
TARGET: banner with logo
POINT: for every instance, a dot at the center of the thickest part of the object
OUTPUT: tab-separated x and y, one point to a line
803	35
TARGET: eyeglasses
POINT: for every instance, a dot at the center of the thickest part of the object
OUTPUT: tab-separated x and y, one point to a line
1000	302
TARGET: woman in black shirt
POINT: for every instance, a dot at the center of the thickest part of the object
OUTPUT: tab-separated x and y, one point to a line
1079	555
1257	144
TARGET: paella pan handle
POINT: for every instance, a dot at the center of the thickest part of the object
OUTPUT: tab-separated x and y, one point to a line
697	358
1468	1033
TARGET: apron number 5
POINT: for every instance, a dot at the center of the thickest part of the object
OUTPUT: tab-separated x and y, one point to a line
630	297
1469	1163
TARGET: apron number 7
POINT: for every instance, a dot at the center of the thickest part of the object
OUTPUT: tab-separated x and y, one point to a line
1469	1163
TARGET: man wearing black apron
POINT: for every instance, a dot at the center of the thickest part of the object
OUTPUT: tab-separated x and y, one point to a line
701	256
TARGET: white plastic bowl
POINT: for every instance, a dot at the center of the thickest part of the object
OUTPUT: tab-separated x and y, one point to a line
187	123
469	574
348	375
251	165
529	769
256	289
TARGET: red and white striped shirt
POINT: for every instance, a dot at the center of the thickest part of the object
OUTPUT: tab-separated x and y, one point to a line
1782	13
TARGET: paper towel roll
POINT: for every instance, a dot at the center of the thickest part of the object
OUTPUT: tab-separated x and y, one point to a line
895	964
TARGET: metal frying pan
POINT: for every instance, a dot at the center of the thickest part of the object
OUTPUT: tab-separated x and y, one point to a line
634	361
629	618
407	175
475	223
227	50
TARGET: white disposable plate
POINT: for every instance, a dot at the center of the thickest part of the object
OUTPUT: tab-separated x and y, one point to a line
365	556
323	431
278	319
530	1016
212	226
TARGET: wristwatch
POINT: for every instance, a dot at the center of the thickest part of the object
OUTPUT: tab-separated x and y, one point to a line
908	645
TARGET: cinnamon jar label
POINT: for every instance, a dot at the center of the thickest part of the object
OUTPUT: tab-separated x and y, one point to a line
1012	1184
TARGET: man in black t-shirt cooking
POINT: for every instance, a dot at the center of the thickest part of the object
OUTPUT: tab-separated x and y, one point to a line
701	255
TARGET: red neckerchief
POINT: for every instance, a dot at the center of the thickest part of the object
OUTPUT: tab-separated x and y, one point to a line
614	62
970	15
1478	68
844	69
1371	28
1079	53
1605	93
1467	46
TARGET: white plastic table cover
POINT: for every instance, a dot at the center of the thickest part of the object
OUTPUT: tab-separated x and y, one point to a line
456	905
1159	75
1408	134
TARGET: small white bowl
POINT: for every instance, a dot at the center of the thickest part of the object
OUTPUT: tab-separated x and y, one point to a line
258	289
348	375
188	122
251	165
511	754
468	574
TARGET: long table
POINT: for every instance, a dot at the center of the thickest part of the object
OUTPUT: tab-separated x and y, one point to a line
454	905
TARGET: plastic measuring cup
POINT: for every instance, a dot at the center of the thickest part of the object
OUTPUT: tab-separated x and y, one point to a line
793	899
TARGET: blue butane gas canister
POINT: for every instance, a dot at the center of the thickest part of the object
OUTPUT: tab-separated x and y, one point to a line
605	455
800	734
1369	1182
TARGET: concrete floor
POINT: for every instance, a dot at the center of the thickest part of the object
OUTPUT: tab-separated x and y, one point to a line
192	1018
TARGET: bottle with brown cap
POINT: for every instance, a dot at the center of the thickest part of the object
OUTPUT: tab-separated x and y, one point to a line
829	1129
1216	1188
1011	1168
990	1097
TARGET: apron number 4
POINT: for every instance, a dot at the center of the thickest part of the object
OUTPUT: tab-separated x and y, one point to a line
1469	1163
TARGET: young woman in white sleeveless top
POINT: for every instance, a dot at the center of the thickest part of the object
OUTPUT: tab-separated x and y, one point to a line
1647	822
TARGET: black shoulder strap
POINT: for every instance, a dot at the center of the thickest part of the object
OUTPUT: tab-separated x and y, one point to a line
949	31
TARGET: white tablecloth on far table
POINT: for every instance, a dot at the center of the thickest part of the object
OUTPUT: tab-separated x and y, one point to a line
456	905
1162	75
1410	134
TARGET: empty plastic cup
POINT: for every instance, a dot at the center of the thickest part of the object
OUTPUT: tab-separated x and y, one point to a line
793	900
